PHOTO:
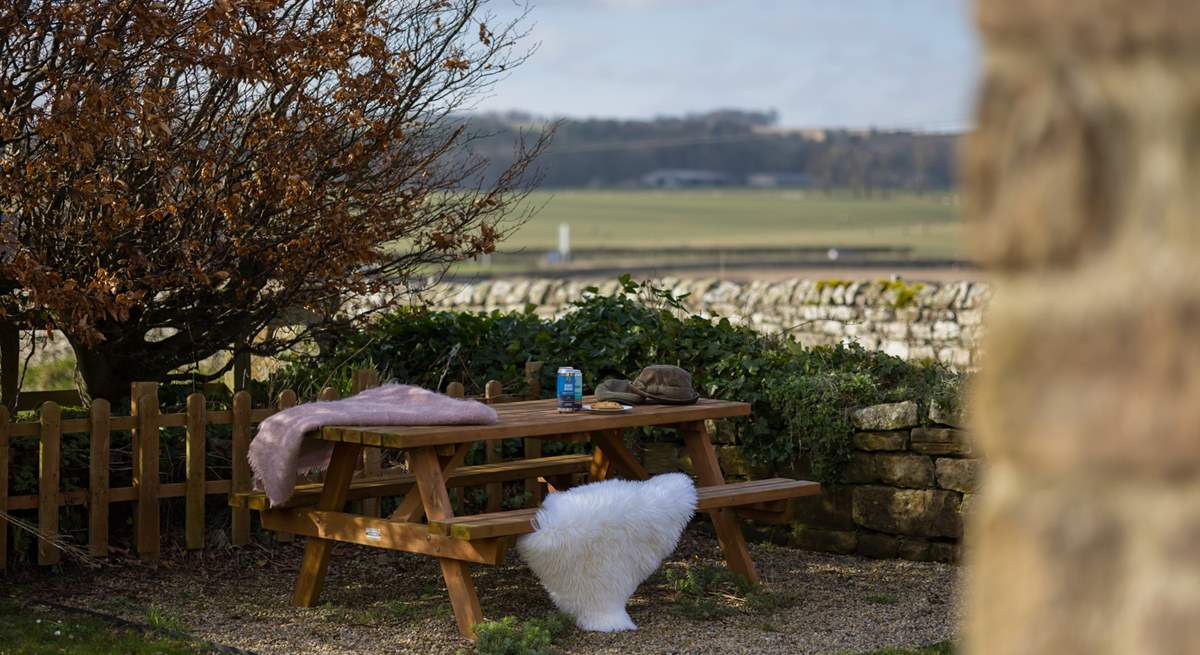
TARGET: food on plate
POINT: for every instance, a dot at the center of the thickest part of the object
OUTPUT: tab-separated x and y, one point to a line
607	404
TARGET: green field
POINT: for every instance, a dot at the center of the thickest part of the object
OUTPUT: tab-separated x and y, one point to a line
930	223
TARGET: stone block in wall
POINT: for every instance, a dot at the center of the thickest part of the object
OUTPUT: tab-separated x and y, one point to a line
877	545
897	330
922	331
904	470
852	293
945	297
956	357
943	551
915	550
887	416
879	314
958	474
832	508
940	412
878	440
896	348
946	330
843	313
970	317
939	441
908	313
828	541
860	469
537	291
919	353
914	512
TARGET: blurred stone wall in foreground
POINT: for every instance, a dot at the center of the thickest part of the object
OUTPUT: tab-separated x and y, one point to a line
1083	176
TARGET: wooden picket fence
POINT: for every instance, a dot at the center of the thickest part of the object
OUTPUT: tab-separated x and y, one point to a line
147	489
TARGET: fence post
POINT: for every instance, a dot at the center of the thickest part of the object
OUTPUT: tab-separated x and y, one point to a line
492	449
240	528
98	462
287	398
4	428
194	491
48	462
372	457
145	411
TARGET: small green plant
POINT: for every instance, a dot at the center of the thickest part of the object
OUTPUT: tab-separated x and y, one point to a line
163	620
940	648
707	592
508	636
883	599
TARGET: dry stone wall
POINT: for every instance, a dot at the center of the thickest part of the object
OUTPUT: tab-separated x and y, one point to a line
939	321
904	494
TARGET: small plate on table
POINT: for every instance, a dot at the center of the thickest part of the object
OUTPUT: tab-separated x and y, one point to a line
601	410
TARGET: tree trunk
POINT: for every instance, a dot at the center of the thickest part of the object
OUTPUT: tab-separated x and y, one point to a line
101	373
1082	176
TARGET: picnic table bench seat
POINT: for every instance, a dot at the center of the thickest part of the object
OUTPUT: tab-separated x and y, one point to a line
397	481
756	494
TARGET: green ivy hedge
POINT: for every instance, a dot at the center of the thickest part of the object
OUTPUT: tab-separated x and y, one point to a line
801	396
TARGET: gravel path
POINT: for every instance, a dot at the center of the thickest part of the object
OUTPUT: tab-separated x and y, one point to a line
383	602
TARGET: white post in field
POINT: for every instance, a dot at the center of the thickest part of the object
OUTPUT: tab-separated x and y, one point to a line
564	241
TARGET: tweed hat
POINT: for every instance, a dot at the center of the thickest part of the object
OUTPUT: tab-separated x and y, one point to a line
619	390
663	383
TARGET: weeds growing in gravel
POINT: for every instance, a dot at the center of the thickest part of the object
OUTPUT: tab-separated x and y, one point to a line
706	592
883	599
509	636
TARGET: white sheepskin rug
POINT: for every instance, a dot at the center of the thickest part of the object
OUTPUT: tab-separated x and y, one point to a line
594	544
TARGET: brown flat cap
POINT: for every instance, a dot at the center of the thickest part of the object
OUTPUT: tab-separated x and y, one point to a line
663	383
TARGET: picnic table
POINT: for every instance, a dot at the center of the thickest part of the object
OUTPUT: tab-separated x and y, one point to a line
435	455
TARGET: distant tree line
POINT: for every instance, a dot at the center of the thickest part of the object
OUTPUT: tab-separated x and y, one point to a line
738	145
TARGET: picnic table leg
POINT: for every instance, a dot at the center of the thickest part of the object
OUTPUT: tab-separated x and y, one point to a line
410	508
708	471
432	485
333	499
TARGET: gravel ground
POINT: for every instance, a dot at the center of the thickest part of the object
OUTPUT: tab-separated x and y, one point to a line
383	602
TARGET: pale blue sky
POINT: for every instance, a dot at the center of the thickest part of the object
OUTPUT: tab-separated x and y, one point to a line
820	63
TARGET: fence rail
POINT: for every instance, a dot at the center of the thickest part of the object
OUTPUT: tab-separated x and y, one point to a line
147	489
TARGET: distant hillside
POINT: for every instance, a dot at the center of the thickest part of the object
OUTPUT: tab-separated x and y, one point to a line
736	148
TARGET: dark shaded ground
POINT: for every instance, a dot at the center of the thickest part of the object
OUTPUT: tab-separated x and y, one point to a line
383	602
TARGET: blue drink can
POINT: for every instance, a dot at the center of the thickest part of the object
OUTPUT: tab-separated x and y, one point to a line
565	392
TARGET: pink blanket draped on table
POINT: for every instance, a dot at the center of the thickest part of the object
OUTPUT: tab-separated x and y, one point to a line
279	452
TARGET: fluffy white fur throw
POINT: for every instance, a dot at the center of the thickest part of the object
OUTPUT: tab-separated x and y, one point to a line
594	544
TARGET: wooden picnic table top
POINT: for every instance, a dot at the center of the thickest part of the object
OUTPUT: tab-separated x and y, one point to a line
531	418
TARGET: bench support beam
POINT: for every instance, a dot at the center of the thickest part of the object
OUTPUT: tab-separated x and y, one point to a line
333	499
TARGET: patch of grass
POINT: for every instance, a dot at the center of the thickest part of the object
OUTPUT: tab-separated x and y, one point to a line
32	631
883	599
509	636
706	592
940	648
163	620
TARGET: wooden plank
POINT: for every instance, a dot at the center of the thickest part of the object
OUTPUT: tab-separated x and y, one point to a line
240	529
287	399
195	472
98	464
5	425
457	574
751	494
613	445
456	390
49	456
536	419
333	499
146	446
396	482
382	533
493	449
725	522
35	399
120	494
599	466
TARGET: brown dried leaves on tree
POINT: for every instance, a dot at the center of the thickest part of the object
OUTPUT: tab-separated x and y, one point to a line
202	168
